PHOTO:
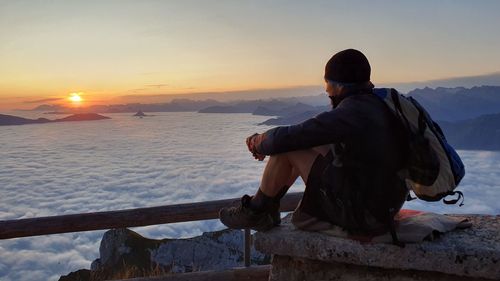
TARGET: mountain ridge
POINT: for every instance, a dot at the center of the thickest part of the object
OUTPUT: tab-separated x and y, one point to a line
11	120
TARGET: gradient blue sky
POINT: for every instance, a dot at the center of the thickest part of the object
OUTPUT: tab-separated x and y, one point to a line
109	49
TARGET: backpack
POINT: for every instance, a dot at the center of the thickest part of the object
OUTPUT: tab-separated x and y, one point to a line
434	168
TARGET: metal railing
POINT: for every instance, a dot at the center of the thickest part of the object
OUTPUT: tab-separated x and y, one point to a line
132	218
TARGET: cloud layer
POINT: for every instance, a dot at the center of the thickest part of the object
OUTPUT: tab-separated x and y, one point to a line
125	162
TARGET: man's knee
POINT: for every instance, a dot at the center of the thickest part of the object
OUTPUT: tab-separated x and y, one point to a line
302	160
308	153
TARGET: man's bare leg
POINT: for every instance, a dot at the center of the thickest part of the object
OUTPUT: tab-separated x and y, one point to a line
283	169
261	211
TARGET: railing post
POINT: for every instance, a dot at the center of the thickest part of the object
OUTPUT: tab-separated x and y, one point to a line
247	241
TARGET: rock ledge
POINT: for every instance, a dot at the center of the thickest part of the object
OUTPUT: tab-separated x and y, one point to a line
472	253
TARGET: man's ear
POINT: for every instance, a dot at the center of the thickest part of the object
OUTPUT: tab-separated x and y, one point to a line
338	89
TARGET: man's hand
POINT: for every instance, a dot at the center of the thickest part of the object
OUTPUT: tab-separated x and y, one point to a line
252	142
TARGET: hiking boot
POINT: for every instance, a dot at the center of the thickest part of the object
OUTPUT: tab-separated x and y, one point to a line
243	216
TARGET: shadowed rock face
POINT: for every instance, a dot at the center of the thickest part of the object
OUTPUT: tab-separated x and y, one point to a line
79	275
7	120
126	254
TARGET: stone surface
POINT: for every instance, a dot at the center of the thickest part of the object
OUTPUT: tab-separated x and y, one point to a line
473	252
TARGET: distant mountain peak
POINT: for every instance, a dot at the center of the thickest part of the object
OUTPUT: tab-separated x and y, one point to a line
6	120
459	103
47	107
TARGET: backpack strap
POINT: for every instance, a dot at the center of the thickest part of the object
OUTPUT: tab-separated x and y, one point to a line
454	201
392	228
422	124
399	109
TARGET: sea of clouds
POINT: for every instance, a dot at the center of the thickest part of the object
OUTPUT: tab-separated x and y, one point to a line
128	162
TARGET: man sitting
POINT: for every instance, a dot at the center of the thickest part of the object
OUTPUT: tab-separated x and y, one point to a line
348	157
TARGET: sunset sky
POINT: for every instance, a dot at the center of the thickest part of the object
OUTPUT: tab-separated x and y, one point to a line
106	50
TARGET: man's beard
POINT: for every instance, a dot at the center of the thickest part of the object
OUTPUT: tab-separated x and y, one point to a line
335	100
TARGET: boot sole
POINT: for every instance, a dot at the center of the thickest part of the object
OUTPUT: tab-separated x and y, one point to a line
267	226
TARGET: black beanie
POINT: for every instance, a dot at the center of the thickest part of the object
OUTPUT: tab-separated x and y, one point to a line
348	66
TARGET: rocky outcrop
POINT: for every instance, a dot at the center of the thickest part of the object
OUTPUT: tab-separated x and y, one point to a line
79	275
140	114
82	117
6	120
125	254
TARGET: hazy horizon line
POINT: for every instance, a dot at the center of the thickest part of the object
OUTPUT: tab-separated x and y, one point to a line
490	79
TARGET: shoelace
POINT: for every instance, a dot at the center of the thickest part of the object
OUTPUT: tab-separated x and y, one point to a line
241	208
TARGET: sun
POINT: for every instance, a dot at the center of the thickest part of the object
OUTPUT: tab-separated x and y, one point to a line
75	98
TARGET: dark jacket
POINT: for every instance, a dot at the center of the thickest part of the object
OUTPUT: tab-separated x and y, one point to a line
368	140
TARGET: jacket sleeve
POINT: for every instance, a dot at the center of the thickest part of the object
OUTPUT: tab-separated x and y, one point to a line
327	127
